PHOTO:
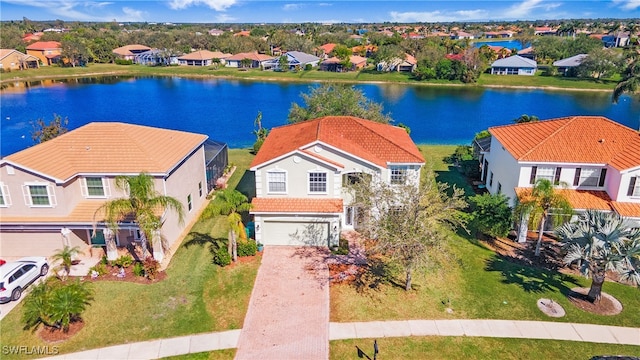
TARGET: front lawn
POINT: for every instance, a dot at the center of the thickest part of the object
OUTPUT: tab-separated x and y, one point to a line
197	296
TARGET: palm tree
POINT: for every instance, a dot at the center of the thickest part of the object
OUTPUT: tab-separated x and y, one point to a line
542	202
230	202
601	242
144	204
65	255
524	118
630	80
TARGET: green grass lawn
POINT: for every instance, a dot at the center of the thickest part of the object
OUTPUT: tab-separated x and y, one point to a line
475	348
197	296
54	72
227	354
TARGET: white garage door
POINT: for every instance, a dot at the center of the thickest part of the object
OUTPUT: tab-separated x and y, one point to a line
295	233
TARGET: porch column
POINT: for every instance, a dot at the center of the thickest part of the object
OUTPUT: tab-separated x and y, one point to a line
523	228
109	239
158	250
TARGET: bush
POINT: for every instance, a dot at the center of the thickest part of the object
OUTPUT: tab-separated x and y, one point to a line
308	67
247	248
104	260
100	268
138	269
123	261
150	266
221	257
123	62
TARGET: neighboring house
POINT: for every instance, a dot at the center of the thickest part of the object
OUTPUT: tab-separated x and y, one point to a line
32	37
459	35
528	52
335	64
216	32
202	58
324	50
295	60
617	39
408	64
129	52
155	57
514	65
11	59
55	187
47	52
597	158
302	171
257	60
567	66
544	30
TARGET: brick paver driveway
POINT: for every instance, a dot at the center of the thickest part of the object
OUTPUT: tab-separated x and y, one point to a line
288	316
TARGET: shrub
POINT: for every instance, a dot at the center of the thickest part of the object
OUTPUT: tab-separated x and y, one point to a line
100	268
138	269
104	260
308	67
123	62
247	248
123	261
221	257
151	267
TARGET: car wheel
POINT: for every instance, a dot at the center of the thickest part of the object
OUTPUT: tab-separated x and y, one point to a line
15	295
44	270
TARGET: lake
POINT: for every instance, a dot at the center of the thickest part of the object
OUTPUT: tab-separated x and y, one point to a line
225	109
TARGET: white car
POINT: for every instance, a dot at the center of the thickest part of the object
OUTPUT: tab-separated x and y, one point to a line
15	276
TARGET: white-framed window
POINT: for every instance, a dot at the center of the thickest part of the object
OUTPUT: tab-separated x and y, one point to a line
277	181
95	187
546	173
189	203
318	182
398	175
589	177
5	199
200	189
39	195
634	186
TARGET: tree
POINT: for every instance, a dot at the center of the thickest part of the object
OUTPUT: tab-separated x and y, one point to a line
216	62
337	100
246	62
65	256
407	223
42	131
630	80
283	63
144	204
491	214
542	202
599	63
56	304
260	133
524	118
230	202
74	50
601	242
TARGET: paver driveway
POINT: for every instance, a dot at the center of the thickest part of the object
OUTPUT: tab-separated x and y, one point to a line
288	315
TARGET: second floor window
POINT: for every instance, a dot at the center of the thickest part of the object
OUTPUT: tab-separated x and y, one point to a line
277	181
4	196
95	187
189	204
317	182
398	175
634	186
39	195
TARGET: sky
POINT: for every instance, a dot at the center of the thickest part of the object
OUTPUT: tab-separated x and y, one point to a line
319	11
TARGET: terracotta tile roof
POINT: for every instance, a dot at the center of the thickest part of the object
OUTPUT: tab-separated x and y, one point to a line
109	147
82	213
296	205
626	209
204	55
249	55
327	48
576	139
375	142
44	45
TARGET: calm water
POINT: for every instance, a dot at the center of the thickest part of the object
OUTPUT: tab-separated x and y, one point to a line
511	44
225	109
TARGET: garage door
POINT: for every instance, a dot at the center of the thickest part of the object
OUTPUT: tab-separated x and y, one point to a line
296	233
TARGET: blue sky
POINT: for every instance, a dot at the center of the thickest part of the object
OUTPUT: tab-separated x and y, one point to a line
322	11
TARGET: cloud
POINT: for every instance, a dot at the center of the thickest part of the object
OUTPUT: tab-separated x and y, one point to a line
438	16
525	9
217	5
291	7
132	15
224	18
81	10
627	4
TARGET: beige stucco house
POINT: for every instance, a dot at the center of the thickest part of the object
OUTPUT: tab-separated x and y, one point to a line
302	170
49	193
11	59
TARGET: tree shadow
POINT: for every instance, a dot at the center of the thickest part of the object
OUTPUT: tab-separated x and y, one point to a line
205	240
247	184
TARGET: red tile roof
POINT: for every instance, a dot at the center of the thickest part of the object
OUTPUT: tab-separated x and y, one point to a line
249	55
576	139
374	142
626	209
327	48
44	45
591	199
296	205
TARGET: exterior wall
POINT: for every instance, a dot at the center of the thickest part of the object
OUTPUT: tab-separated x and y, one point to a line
623	187
297	178
506	171
12	61
42	55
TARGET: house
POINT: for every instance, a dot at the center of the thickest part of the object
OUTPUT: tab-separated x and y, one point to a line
544	31
54	188
156	57
408	64
514	65
129	52
336	64
528	52
324	50
295	60
11	59
216	32
257	60
567	66
242	33
202	58
48	52
597	158
302	170
460	35
32	36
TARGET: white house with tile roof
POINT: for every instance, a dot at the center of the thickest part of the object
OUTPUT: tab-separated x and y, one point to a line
596	157
56	187
514	65
302	169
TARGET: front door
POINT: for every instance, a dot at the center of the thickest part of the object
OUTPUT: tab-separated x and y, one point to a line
351	217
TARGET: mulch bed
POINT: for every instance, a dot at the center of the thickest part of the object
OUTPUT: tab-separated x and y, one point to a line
53	335
344	273
608	305
129	276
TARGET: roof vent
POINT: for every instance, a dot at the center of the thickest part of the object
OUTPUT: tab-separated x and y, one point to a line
88	148
601	141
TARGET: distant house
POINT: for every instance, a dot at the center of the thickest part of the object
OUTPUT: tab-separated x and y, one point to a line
514	65
408	64
528	53
364	50
567	66
202	58
295	60
155	57
32	37
459	35
324	50
498	34
257	60
11	59
544	30
242	33
129	52
216	32
617	39
48	52
336	65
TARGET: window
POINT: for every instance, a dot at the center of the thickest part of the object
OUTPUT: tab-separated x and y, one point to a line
588	177
634	186
547	173
491	179
95	187
277	182
499	188
317	182
39	195
398	175
200	189
5	200
189	204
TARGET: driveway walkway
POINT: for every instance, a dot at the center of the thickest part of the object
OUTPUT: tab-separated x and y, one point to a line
288	315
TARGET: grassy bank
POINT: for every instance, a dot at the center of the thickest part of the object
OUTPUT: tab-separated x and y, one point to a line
47	73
